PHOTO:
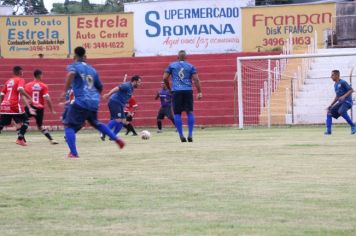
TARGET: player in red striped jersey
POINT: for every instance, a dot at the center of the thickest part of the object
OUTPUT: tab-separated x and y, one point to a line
38	91
12	98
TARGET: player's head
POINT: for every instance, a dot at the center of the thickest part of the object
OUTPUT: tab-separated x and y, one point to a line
335	75
79	53
163	85
136	81
17	70
182	55
37	74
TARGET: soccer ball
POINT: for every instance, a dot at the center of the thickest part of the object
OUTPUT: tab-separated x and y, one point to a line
145	134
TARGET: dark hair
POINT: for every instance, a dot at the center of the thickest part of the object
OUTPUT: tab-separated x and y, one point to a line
336	72
79	52
16	70
37	73
135	78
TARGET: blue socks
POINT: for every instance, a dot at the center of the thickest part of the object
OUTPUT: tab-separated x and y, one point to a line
190	124
70	137
348	119
111	124
328	123
118	127
179	126
105	130
178	123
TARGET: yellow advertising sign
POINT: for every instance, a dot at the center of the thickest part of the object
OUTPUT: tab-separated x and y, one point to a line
267	28
28	36
109	35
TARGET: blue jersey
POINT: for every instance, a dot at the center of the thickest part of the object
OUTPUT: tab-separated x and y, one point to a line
181	73
166	98
341	88
124	93
86	85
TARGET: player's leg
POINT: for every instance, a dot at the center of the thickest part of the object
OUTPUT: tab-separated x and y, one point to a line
39	122
332	113
22	123
5	120
178	107
343	112
129	125
160	117
93	121
188	104
74	118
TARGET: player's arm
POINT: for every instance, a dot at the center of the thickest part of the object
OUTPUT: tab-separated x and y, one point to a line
23	92
196	80
49	103
333	102
348	93
166	81
112	91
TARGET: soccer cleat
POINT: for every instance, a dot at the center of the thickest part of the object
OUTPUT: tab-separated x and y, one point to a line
53	142
327	133
183	139
190	139
353	129
21	142
120	142
71	155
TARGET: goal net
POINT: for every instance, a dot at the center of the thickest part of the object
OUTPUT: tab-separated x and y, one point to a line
290	89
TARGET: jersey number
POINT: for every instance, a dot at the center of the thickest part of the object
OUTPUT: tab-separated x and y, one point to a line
90	81
35	97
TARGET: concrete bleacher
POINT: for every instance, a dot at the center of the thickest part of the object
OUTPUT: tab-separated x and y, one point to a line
216	72
318	92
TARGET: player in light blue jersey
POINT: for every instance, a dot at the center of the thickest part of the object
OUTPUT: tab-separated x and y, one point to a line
341	103
86	85
183	74
119	96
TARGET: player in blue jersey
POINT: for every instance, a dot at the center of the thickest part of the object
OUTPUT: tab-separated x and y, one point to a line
86	85
183	74
341	103
165	110
119	96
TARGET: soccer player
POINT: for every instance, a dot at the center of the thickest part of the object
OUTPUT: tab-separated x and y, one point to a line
182	74
12	96
165	110
341	103
86	85
39	92
119	96
129	110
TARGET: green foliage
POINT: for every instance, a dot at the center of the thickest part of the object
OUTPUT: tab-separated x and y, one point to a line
26	7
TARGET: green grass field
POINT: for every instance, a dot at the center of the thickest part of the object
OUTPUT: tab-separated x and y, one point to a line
279	181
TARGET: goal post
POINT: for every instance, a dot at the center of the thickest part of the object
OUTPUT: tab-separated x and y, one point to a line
282	89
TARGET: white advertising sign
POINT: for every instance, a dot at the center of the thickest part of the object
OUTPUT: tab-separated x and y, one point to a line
197	26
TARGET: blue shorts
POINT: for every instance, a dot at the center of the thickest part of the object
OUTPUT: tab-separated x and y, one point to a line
116	110
339	109
76	116
182	101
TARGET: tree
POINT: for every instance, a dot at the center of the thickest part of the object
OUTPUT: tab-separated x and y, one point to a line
26	7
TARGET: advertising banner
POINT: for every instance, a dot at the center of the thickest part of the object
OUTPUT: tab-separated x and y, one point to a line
29	36
198	26
266	28
107	35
